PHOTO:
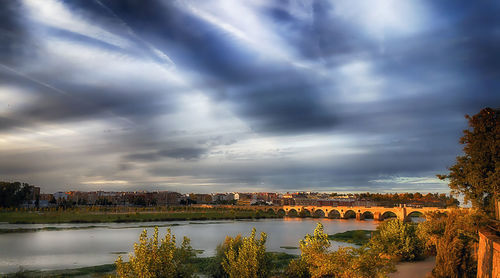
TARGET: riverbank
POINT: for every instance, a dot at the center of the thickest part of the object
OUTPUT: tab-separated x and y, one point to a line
418	269
201	265
119	216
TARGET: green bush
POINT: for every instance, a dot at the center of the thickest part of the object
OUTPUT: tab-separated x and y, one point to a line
398	240
247	258
215	269
317	261
152	259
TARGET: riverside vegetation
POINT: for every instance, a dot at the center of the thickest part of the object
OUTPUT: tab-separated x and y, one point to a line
96	214
239	256
246	257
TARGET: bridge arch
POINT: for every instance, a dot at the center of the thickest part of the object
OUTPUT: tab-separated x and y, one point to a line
415	213
368	215
389	215
281	212
414	216
334	214
305	213
293	213
319	213
349	214
271	211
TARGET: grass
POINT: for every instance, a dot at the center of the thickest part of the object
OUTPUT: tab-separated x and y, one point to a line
278	260
358	237
86	216
92	271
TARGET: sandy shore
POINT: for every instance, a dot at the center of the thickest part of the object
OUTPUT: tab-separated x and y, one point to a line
415	269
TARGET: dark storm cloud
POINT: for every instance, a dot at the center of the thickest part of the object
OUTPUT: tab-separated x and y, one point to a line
76	102
285	106
177	153
274	96
13	34
321	36
211	91
95	102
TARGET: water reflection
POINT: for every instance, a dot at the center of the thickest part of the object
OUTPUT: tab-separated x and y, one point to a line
90	245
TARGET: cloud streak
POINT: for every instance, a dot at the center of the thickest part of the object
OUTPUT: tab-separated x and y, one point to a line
265	95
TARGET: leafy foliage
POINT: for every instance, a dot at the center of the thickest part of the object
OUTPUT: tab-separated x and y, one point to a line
476	174
452	238
216	269
398	240
247	258
317	261
431	231
153	259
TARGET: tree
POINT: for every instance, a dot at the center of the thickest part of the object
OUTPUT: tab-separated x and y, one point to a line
315	259
247	259
153	259
398	240
452	238
476	174
14	194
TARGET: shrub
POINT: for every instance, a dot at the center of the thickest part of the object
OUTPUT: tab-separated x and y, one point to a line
398	240
152	259
216	269
317	261
298	269
248	258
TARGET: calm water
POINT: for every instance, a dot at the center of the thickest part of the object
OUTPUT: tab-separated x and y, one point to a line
99	245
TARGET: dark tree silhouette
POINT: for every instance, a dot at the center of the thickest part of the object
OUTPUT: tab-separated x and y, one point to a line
476	174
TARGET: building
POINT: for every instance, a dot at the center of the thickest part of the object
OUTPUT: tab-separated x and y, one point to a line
61	195
201	198
165	198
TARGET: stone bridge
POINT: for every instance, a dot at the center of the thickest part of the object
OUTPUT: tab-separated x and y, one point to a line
360	213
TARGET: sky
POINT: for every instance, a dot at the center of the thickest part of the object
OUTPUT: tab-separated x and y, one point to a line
227	95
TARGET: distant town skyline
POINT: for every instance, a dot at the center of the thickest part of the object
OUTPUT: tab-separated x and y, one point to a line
242	96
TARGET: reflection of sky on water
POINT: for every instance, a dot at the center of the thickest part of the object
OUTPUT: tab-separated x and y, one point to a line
86	247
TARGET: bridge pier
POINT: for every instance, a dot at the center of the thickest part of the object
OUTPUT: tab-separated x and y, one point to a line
377	216
360	216
407	219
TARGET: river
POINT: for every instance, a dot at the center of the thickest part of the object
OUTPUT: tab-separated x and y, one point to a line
80	245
